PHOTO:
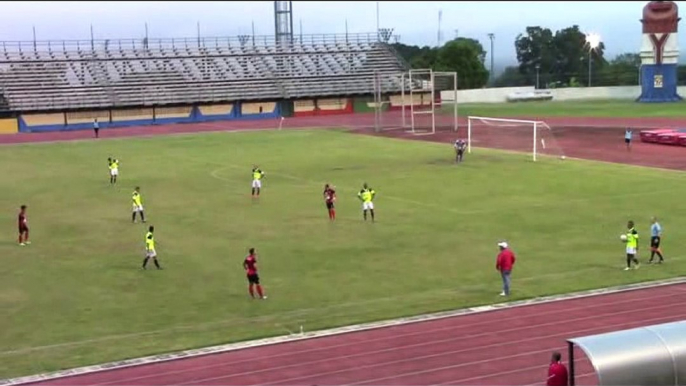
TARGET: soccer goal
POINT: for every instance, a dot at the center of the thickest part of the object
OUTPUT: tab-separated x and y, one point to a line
420	101
532	137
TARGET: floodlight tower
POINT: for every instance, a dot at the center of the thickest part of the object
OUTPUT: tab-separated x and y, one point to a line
593	41
283	22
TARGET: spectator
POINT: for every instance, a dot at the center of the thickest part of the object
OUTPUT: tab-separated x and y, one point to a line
96	128
557	372
504	264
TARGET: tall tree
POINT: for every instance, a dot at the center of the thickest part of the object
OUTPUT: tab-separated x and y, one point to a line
573	54
511	77
623	70
466	57
560	56
535	48
462	55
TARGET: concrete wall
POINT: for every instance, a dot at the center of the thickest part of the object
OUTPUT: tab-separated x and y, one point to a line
499	95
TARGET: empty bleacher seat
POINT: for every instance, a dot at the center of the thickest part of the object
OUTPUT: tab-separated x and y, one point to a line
64	75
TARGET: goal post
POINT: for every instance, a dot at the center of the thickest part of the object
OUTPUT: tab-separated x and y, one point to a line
519	135
413	101
425	88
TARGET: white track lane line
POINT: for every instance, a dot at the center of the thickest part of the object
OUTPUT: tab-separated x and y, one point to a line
429	343
429	332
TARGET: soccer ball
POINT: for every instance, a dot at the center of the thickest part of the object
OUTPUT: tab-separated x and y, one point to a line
623	238
562	157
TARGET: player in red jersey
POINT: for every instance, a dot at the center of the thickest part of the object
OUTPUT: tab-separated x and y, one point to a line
330	199
250	266
23	227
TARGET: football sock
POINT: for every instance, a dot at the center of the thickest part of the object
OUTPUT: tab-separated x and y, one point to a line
372	212
156	263
259	291
659	254
142	216
145	262
628	261
251	289
365	215
133	217
333	214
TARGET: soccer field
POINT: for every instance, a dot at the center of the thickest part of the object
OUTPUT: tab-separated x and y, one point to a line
77	295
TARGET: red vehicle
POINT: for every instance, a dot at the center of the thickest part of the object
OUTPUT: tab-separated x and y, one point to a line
652	136
682	139
671	138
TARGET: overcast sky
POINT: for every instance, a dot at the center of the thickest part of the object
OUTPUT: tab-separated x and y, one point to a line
415	22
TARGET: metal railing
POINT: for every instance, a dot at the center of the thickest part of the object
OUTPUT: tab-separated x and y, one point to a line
266	41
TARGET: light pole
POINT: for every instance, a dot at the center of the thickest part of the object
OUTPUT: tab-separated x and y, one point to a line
538	67
593	41
491	36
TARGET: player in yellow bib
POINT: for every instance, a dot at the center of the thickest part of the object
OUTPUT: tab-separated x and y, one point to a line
631	246
137	202
257	175
150	248
114	169
366	195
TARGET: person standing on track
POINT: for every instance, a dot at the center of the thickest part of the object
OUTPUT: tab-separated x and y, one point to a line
504	264
655	238
96	128
557	372
628	136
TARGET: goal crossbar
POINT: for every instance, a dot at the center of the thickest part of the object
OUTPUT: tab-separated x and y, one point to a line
535	125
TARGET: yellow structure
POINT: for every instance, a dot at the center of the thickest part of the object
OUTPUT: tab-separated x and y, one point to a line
9	126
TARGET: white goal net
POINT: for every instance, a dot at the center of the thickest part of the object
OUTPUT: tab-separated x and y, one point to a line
532	137
414	101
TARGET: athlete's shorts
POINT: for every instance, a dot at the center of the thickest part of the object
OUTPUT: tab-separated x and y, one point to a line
138	208
254	278
655	242
627	140
150	253
631	251
257	184
23	229
329	205
114	172
368	206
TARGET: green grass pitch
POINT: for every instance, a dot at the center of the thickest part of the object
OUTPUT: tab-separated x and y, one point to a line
77	295
581	108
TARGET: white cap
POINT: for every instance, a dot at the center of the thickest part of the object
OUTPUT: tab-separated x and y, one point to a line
502	244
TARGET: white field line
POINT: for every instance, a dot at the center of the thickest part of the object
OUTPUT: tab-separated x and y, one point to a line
216	173
304	312
333	332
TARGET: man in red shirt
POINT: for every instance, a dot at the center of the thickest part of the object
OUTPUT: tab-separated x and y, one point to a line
329	199
250	266
504	264
557	372
23	227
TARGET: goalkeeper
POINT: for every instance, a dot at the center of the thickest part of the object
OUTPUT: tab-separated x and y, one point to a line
460	146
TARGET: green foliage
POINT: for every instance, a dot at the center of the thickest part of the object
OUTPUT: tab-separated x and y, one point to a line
511	77
560	56
462	55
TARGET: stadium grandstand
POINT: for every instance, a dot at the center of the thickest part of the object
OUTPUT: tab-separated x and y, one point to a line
101	74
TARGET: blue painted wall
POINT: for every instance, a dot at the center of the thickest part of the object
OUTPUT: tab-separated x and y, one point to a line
665	94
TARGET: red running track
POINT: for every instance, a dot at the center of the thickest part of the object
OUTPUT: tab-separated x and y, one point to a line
503	347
